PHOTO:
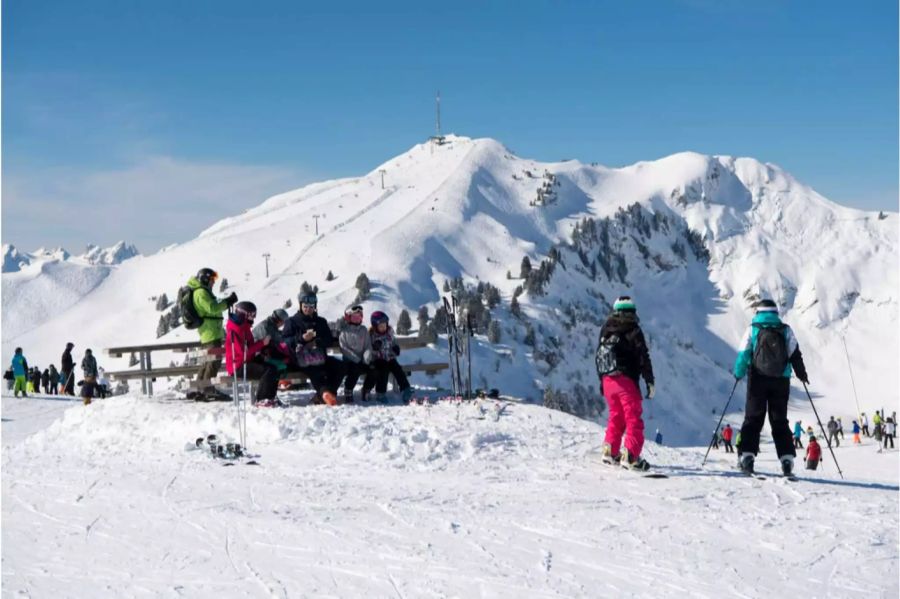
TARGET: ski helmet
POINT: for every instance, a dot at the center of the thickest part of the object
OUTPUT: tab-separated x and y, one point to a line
280	315
207	276
309	299
766	305
18	350
624	303
378	317
245	311
351	311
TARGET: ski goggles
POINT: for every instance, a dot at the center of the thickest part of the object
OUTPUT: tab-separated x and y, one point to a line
355	310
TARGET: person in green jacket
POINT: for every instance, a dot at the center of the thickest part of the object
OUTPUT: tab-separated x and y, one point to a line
212	330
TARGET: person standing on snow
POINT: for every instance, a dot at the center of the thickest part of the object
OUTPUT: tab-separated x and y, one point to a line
45	381
798	433
890	428
622	357
20	373
865	424
10	378
89	369
715	439
727	435
832	428
658	437
384	360
54	380
767	354
67	364
813	454
211	329
840	428
856	440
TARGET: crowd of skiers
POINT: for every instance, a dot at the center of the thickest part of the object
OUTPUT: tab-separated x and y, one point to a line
20	378
283	343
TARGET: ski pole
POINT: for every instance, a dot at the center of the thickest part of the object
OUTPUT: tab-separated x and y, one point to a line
822	428
244	402
852	382
234	380
721	418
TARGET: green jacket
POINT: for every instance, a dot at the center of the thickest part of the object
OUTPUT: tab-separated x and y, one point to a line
210	310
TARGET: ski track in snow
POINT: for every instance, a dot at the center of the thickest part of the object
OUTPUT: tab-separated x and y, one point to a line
407	501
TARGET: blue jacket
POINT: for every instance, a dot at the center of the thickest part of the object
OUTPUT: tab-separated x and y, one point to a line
748	345
798	429
19	365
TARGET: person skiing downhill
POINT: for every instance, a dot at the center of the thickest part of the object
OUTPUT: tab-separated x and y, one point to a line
798	434
813	454
622	357
767	354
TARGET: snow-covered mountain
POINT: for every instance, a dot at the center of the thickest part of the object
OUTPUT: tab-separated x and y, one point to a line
695	239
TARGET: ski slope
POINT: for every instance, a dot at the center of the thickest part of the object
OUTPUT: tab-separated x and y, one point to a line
418	501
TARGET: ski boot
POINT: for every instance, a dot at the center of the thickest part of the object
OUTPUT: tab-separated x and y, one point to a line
406	395
381	398
634	462
607	456
746	463
787	465
348	396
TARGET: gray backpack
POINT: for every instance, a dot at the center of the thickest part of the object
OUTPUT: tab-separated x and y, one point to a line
770	354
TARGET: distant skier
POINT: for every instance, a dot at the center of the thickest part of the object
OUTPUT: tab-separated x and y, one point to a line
67	366
36	379
813	454
20	373
727	435
658	437
10	378
840	430
209	310
832	428
102	384
89	369
890	429
384	360
45	381
767	353
864	420
54	380
877	422
242	351
715	439
856	440
308	336
622	357
798	433
356	349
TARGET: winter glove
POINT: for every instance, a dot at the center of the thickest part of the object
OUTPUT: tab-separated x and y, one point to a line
231	299
376	345
395	349
651	390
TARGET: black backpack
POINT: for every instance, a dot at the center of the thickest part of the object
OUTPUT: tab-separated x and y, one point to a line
770	354
606	358
189	315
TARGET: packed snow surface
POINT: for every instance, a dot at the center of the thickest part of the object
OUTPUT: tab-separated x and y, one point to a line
483	499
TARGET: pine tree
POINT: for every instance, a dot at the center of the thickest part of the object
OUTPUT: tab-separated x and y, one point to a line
529	336
288	303
363	287
440	319
307	289
493	332
446	286
162	303
428	333
514	307
223	285
404	324
423	316
525	268
330	276
163	327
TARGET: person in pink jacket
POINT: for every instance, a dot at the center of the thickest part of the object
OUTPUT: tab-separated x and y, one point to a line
241	352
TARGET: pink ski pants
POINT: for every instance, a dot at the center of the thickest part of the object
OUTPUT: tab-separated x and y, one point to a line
623	398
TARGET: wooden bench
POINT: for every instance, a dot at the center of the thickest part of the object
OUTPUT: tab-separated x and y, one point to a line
196	351
294	377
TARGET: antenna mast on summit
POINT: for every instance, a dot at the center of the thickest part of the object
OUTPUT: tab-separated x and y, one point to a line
438	108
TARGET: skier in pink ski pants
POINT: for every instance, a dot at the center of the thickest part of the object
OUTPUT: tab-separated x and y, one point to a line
623	357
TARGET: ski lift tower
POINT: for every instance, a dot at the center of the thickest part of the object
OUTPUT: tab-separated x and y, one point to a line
437	138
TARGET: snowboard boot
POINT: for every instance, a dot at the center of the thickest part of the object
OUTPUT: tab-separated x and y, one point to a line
607	456
746	463
381	398
87	401
787	465
406	395
634	462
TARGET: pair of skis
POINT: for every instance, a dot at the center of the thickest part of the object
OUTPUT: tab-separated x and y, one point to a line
462	387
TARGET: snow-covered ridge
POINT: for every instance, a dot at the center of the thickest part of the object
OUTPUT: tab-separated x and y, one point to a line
696	239
15	261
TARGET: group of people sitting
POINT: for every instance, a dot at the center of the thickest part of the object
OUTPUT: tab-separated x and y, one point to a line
300	343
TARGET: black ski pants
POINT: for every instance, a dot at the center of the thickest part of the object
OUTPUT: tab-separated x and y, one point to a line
266	374
354	371
798	444
69	376
728	447
326	376
767	394
888	438
378	376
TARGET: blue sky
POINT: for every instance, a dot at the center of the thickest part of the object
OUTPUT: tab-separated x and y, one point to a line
165	116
